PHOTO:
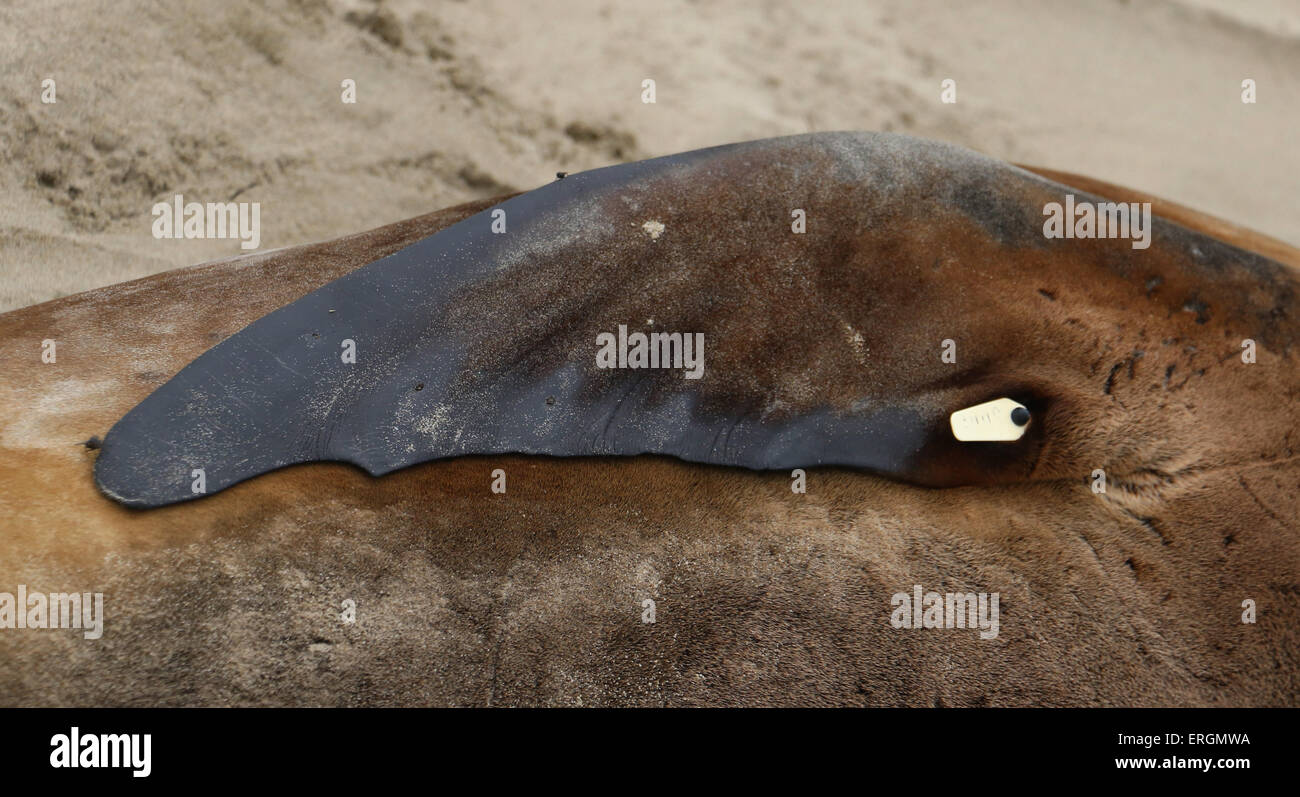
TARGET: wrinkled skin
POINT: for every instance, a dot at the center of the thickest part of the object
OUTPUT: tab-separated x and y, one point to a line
763	596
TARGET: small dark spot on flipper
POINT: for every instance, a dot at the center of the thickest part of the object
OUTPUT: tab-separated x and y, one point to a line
1199	307
1110	378
1149	523
1051	297
1132	361
93	443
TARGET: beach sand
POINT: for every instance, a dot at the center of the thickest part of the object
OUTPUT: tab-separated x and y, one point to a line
459	100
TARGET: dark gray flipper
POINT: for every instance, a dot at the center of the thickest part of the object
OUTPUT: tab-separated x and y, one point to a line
472	342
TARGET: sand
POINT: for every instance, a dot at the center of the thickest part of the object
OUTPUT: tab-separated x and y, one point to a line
458	100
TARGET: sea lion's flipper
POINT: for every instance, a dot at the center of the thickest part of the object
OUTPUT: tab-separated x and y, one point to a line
483	338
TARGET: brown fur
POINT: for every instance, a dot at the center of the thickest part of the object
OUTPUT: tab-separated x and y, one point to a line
763	597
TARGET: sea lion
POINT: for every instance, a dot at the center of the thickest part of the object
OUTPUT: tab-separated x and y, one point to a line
1129	361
